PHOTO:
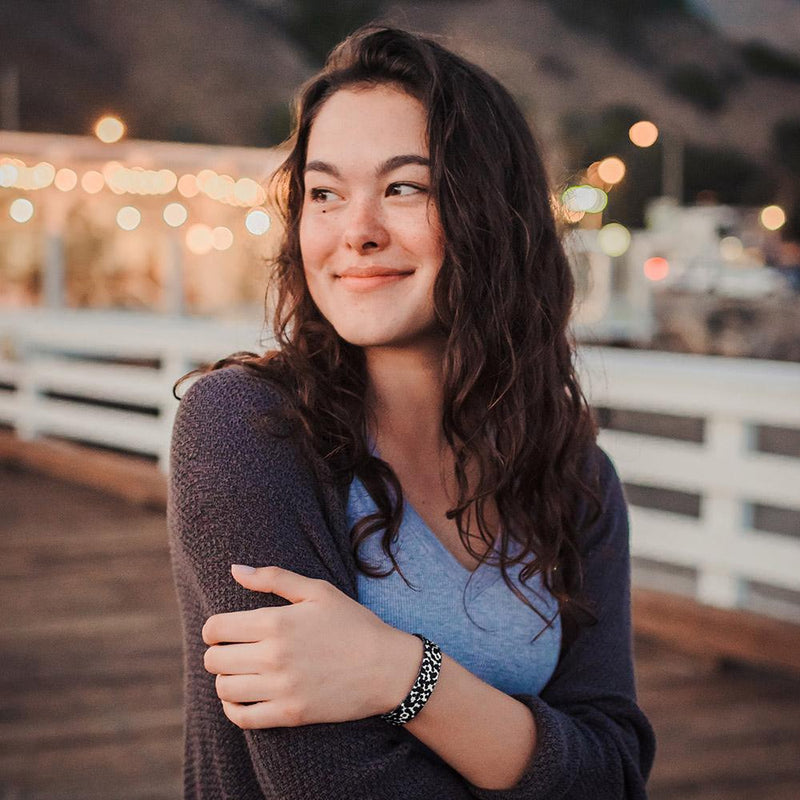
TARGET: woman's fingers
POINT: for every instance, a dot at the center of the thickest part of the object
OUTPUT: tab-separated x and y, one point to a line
276	580
243	626
246	688
270	714
236	659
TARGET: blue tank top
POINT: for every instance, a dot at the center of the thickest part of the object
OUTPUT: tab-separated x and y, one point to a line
446	600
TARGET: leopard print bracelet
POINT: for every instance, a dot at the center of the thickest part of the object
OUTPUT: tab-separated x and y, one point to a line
423	686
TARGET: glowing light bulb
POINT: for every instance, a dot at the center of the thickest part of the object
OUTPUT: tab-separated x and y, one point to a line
643	133
9	174
66	180
20	210
257	222
246	191
128	218
109	129
773	217
656	268
611	170
187	185
614	239
199	239
92	181
222	238
731	248
43	174
175	215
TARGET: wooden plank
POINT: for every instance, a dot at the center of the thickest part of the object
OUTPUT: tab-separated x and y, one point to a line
135	479
687	625
91	686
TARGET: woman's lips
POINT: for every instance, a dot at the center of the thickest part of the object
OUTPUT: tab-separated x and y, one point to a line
367	282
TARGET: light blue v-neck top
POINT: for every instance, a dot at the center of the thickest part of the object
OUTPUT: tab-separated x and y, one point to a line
500	651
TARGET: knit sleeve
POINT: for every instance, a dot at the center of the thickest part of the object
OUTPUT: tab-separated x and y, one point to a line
241	494
593	741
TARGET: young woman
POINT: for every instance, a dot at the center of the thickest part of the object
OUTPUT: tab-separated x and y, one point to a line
432	591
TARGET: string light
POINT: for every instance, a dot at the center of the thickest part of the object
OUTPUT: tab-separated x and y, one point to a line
643	133
656	268
93	181
257	221
128	218
773	218
199	239
20	210
614	239
65	180
611	170
109	129
175	215
221	238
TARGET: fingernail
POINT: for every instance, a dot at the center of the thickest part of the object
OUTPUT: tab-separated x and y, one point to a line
243	568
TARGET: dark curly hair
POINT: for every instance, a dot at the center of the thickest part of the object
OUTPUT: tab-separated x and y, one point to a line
503	296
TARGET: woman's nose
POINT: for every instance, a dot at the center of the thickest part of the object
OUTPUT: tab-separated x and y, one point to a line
365	229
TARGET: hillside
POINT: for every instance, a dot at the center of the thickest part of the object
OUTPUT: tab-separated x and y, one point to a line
222	71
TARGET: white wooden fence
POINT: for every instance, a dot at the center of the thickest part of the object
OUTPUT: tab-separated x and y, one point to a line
61	375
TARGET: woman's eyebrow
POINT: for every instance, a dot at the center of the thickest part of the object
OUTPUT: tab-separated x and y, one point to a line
391	164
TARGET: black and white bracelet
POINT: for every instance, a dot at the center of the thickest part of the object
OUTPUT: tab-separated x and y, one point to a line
423	686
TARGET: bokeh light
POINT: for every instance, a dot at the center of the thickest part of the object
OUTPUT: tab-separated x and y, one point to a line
584	198
66	179
20	210
643	133
611	170
199	239
731	248
656	268
222	238
109	129
9	174
128	218
773	217
257	222
175	215
92	181
247	192
42	175
614	239
187	185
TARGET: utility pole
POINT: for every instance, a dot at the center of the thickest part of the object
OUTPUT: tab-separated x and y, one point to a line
9	98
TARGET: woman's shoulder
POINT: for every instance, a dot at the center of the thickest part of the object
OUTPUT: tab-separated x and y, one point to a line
228	405
230	390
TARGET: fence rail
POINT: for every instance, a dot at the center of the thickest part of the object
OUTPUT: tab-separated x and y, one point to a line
106	379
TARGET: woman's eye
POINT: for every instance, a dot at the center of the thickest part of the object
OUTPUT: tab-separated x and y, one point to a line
403	189
321	195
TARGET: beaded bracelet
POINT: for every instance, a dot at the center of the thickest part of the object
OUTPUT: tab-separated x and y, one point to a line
423	686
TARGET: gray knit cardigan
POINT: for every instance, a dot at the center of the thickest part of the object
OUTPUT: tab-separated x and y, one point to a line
240	494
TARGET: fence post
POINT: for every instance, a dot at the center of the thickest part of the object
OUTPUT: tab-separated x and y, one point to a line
173	364
727	438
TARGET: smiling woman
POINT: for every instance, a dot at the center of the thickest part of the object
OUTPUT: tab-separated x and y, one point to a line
401	558
370	235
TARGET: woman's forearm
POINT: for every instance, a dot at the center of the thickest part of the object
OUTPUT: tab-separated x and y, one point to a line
487	736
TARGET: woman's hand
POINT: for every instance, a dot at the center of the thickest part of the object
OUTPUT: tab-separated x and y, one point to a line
325	658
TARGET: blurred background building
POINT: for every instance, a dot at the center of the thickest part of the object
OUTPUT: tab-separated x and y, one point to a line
136	143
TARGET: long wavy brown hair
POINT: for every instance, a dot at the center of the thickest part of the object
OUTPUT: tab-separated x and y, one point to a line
514	414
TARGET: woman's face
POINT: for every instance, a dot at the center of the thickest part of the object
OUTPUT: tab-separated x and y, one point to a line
370	234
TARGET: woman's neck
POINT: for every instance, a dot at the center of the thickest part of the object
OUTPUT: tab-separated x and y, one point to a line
405	398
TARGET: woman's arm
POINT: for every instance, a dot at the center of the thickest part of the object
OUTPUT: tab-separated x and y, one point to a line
592	740
239	494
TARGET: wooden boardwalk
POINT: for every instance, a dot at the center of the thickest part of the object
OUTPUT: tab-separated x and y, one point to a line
90	704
